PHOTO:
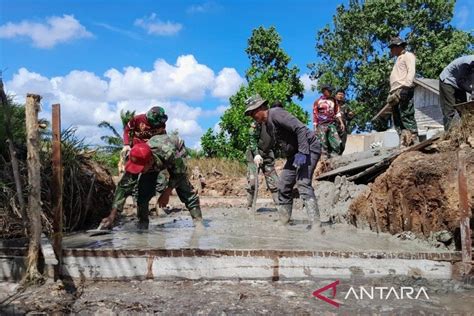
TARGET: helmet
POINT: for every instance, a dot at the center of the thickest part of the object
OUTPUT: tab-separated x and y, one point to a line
156	116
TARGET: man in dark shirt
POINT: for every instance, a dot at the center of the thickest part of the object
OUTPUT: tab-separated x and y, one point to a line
302	150
455	80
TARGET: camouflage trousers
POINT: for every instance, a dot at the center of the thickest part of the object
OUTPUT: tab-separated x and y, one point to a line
143	186
268	169
329	138
403	111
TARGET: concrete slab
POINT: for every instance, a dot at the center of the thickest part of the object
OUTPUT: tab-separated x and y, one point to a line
240	245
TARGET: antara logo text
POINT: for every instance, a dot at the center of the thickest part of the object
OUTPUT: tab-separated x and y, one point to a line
371	293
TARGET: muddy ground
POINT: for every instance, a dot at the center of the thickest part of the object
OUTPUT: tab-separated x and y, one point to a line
235	298
418	193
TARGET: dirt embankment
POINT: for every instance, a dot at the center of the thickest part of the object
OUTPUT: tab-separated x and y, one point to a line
417	193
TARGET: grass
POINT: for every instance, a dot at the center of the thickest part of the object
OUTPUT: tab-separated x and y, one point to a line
230	168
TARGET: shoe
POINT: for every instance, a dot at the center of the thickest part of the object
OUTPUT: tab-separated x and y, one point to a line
312	211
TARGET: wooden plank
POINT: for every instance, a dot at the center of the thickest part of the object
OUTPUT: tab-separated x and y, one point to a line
387	161
464	210
352	167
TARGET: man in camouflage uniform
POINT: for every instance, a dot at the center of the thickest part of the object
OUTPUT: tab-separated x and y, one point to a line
325	114
139	130
346	115
260	157
161	152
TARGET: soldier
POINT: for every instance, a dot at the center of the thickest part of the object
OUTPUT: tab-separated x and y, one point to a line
139	130
260	157
346	115
402	92
146	161
302	150
325	114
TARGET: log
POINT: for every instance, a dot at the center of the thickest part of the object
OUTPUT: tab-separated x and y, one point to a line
34	194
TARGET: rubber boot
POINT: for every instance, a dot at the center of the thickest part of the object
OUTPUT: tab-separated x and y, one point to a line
196	214
142	214
249	200
312	211
284	213
275	197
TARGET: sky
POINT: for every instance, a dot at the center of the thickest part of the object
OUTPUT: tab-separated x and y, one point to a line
97	57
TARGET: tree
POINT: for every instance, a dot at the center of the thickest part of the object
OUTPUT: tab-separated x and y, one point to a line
354	52
270	76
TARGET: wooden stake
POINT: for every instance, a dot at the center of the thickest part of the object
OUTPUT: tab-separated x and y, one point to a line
57	188
34	181
464	210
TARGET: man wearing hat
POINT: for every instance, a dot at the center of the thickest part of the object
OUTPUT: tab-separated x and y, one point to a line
325	113
455	80
139	130
146	160
302	149
402	91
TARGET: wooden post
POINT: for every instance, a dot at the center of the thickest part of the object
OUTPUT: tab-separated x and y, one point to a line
57	188
34	181
464	210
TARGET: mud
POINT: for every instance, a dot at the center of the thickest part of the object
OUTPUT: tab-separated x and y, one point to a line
234	298
417	193
334	198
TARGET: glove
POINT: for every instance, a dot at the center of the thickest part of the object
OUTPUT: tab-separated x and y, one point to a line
125	150
299	160
258	160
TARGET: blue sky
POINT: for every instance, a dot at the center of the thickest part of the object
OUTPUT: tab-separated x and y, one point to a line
97	57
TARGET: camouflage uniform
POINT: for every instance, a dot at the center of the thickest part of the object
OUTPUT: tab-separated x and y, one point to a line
267	166
329	138
169	154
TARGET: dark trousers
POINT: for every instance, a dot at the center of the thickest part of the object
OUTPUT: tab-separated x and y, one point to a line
448	97
302	177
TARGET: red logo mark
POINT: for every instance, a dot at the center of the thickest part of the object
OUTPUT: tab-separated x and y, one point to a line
318	294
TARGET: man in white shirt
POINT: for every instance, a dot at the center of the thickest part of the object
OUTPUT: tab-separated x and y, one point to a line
402	91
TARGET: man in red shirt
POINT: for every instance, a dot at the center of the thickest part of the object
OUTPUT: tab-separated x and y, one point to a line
325	113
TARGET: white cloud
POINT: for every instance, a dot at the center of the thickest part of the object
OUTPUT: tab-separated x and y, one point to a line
203	7
155	26
88	98
462	16
186	80
227	83
308	83
218	111
46	35
118	30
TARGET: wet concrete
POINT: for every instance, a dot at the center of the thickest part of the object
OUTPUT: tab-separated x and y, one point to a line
237	228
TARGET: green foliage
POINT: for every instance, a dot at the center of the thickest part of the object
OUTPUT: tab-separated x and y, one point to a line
270	76
15	113
354	50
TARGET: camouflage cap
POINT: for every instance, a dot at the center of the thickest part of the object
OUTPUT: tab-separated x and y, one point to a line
396	41
156	116
254	102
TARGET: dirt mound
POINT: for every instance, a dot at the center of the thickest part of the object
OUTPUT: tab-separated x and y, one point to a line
417	193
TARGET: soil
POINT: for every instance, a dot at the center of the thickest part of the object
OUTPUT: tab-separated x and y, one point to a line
417	193
233	298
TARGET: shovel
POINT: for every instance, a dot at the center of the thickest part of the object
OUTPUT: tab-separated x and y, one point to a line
99	231
255	194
